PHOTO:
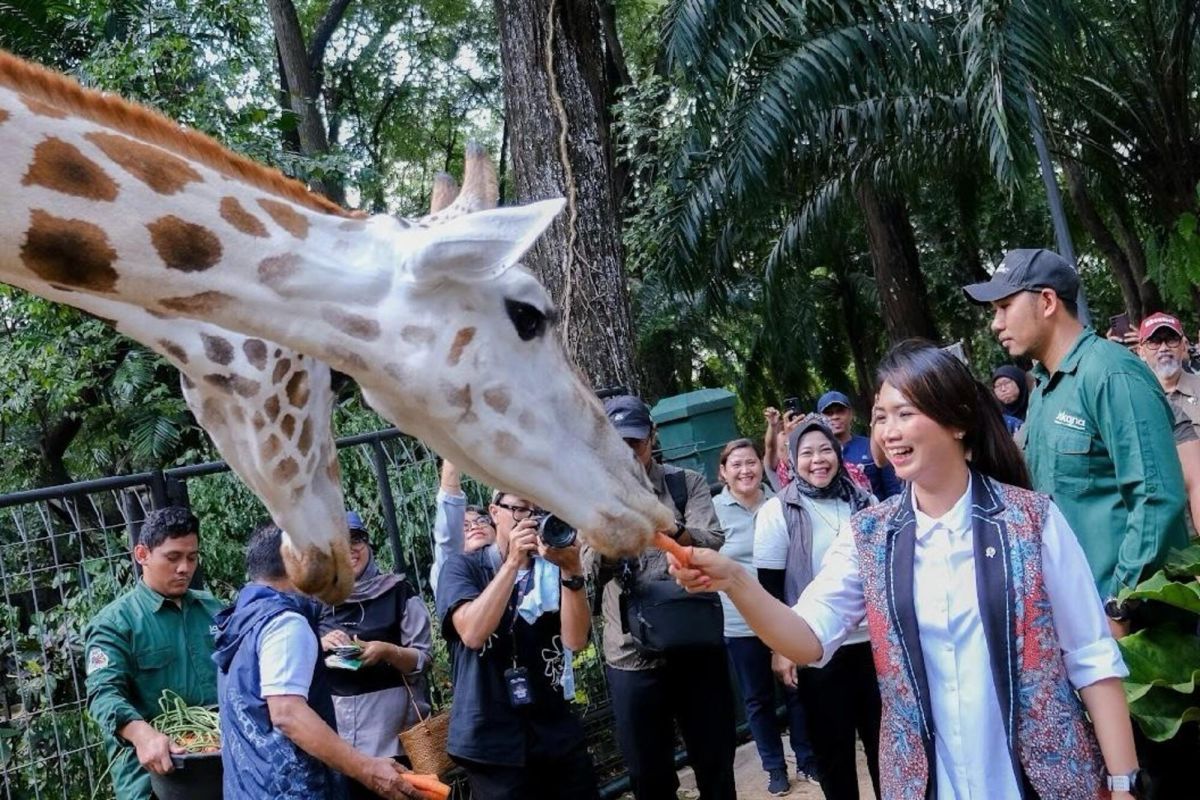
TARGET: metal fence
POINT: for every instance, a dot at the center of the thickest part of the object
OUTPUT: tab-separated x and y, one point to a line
65	553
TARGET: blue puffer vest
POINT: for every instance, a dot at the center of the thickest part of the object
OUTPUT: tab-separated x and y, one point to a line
259	761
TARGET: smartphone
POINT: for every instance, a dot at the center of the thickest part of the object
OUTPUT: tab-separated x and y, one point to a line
791	405
1120	324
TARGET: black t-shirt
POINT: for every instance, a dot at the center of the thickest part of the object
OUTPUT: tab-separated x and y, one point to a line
484	726
375	620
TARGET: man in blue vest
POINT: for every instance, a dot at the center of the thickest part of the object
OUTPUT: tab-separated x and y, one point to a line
277	722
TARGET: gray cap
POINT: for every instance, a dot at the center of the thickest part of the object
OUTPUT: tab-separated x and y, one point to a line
1027	270
629	415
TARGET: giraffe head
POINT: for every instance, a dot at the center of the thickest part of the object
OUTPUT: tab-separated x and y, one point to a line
488	383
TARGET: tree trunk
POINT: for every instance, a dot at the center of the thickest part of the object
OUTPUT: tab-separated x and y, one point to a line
1117	260
304	84
554	91
903	300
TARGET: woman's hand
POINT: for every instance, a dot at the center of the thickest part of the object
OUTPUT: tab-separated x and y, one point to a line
709	571
376	652
784	670
335	638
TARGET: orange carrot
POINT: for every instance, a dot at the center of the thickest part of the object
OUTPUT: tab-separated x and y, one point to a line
428	784
682	554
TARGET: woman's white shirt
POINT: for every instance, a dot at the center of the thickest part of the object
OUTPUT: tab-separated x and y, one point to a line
970	741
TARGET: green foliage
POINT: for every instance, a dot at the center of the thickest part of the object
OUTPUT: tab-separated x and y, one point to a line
1164	658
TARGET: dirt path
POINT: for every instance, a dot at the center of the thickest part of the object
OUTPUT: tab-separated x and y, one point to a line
752	781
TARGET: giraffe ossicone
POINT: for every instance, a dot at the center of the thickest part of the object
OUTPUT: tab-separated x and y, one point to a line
106	202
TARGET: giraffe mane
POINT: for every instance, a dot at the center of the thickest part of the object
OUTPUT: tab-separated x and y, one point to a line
155	128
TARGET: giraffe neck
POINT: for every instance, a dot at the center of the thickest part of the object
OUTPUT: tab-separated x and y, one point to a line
94	210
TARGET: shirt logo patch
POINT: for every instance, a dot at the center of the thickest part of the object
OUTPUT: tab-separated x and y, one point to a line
1070	421
96	659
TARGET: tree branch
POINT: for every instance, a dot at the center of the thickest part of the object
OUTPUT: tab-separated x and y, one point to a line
324	32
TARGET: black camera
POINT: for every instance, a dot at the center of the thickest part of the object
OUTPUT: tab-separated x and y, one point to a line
554	531
792	405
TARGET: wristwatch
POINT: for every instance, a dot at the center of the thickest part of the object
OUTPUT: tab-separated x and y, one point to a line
574	583
1117	610
1136	783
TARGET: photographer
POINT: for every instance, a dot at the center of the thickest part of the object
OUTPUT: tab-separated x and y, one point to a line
512	617
690	684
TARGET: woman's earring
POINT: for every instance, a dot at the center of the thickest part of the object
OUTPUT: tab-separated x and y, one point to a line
959	435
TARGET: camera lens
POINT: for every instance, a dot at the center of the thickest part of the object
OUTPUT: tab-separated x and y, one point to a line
555	533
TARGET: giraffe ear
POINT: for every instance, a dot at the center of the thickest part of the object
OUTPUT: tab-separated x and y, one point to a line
482	245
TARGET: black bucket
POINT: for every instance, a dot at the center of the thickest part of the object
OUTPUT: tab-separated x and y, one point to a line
197	776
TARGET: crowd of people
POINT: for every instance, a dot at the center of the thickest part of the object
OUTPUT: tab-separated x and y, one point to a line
944	590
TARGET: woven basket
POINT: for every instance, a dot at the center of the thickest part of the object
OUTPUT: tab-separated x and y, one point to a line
425	742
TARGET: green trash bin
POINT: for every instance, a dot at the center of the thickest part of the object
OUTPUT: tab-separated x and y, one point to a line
693	427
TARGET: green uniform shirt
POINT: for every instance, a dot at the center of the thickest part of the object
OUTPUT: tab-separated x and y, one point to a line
1099	441
138	645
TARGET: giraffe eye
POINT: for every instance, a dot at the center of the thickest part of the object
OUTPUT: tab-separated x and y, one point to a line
529	321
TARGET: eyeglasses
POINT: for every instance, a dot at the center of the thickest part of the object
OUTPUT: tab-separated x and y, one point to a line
518	512
1156	344
479	522
356	542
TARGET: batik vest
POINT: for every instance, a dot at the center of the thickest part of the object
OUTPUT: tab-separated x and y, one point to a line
1051	745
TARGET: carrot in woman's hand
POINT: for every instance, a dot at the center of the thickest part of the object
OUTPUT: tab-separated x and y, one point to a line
429	784
682	554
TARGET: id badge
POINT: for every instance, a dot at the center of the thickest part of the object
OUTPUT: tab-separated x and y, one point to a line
517	681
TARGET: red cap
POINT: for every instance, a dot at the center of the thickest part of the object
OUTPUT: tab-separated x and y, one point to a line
1155	321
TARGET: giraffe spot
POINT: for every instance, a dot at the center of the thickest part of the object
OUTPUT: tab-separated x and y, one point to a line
287	425
278	352
297	389
461	340
3	116
286	217
218	349
256	352
259	421
245	387
347	225
497	399
236	215
161	171
212	413
415	334
154	312
334	470
348	361
298	493
184	246
281	369
69	252
221	382
196	304
396	372
505	443
274	271
174	351
600	428
286	470
42	108
355	325
304	443
271	406
62	167
186	381
271	448
460	397
527	421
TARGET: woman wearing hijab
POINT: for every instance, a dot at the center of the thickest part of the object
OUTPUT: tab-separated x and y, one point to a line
388	621
792	534
1011	386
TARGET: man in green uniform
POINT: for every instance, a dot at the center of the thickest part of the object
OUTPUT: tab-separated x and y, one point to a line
1099	427
157	636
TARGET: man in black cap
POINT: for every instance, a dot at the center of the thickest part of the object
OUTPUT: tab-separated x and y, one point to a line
650	692
1099	428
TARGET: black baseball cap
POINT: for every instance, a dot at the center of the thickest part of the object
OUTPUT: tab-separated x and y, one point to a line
629	415
1027	271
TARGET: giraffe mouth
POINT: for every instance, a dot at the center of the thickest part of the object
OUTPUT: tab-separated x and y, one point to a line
324	574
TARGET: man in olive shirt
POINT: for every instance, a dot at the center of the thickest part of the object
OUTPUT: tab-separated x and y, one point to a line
1099	428
157	636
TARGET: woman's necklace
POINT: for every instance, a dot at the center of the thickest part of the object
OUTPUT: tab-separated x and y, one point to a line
836	525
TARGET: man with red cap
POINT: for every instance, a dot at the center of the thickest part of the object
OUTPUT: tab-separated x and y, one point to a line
1162	345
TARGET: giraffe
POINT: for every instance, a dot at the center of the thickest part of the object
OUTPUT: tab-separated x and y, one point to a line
448	337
